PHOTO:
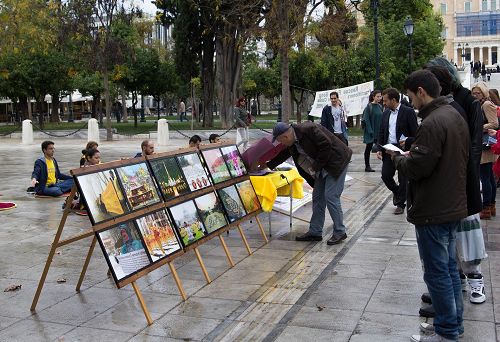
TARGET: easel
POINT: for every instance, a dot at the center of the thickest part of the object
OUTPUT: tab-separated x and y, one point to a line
58	242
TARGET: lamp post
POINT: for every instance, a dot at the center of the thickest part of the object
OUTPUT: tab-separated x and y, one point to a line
462	48
374	7
408	30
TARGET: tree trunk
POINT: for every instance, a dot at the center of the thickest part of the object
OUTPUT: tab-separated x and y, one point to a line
124	105
258	104
207	78
286	102
54	115
107	97
95	100
28	104
134	103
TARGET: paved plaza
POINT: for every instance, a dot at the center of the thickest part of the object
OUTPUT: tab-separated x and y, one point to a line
365	289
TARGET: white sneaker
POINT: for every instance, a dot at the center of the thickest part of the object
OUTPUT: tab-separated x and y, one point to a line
476	284
427	329
429	338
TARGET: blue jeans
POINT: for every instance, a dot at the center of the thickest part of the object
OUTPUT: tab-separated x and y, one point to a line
488	184
59	188
326	193
437	248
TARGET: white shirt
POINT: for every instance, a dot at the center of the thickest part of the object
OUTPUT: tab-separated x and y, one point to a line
392	126
337	116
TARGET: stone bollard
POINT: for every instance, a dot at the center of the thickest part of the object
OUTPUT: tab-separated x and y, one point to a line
27	132
163	134
93	129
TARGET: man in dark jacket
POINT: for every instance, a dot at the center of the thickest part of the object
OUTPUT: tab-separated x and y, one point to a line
322	159
46	177
436	166
333	118
398	127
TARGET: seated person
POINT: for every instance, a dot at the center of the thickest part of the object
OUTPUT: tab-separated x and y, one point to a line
214	138
195	141
46	177
90	145
147	148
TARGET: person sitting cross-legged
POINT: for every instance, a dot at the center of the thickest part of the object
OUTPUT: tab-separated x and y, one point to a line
46	177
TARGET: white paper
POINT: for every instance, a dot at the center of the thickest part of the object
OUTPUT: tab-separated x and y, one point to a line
393	148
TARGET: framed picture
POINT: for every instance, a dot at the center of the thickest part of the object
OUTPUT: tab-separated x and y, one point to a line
248	196
193	171
159	235
102	195
169	177
233	160
216	165
140	190
232	203
187	222
211	212
124	250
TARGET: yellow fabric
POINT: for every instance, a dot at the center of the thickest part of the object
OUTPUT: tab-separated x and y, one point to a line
269	186
111	199
51	171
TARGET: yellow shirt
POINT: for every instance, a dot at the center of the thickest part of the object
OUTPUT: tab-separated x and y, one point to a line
51	171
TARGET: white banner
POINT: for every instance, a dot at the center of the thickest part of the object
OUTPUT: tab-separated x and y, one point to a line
354	99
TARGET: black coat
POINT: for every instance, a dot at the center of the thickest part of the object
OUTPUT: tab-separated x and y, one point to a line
406	124
474	119
326	150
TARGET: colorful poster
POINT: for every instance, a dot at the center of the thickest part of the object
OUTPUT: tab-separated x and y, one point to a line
248	196
188	222
124	250
102	194
170	178
159	235
194	172
232	203
233	160
140	189
216	165
211	212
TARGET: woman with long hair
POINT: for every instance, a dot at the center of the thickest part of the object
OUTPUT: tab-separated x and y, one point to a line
372	115
481	92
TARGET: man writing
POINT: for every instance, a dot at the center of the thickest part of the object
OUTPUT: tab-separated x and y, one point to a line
46	177
322	159
398	127
333	118
436	166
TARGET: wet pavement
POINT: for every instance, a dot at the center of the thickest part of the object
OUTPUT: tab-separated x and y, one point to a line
365	289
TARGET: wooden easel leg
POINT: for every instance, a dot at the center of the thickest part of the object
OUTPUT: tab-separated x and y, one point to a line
261	229
245	242
202	265
86	264
143	304
226	250
67	209
177	281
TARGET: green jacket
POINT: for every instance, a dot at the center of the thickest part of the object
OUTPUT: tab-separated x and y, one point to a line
372	116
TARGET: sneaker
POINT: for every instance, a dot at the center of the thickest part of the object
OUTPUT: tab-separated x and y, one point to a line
427	311
463	282
429	338
427	328
476	283
399	211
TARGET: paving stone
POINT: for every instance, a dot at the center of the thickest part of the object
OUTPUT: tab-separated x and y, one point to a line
212	308
182	327
83	334
299	334
326	318
34	330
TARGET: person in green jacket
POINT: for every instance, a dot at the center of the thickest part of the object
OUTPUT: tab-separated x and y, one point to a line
372	115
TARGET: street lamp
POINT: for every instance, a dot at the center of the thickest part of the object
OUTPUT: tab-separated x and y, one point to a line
374	6
462	48
408	30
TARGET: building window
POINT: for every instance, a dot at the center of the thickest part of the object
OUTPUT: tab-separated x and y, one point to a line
484	6
443	8
468	30
493	27
444	33
484	28
467	6
493	5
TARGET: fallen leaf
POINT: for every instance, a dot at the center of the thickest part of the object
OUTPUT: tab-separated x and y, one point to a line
320	307
61	280
11	288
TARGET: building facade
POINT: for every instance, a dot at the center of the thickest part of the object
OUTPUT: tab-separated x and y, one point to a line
471	30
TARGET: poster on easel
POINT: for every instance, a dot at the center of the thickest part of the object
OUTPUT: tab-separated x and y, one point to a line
187	222
102	195
211	212
232	203
159	235
248	196
233	160
140	190
193	171
169	177
216	165
124	250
